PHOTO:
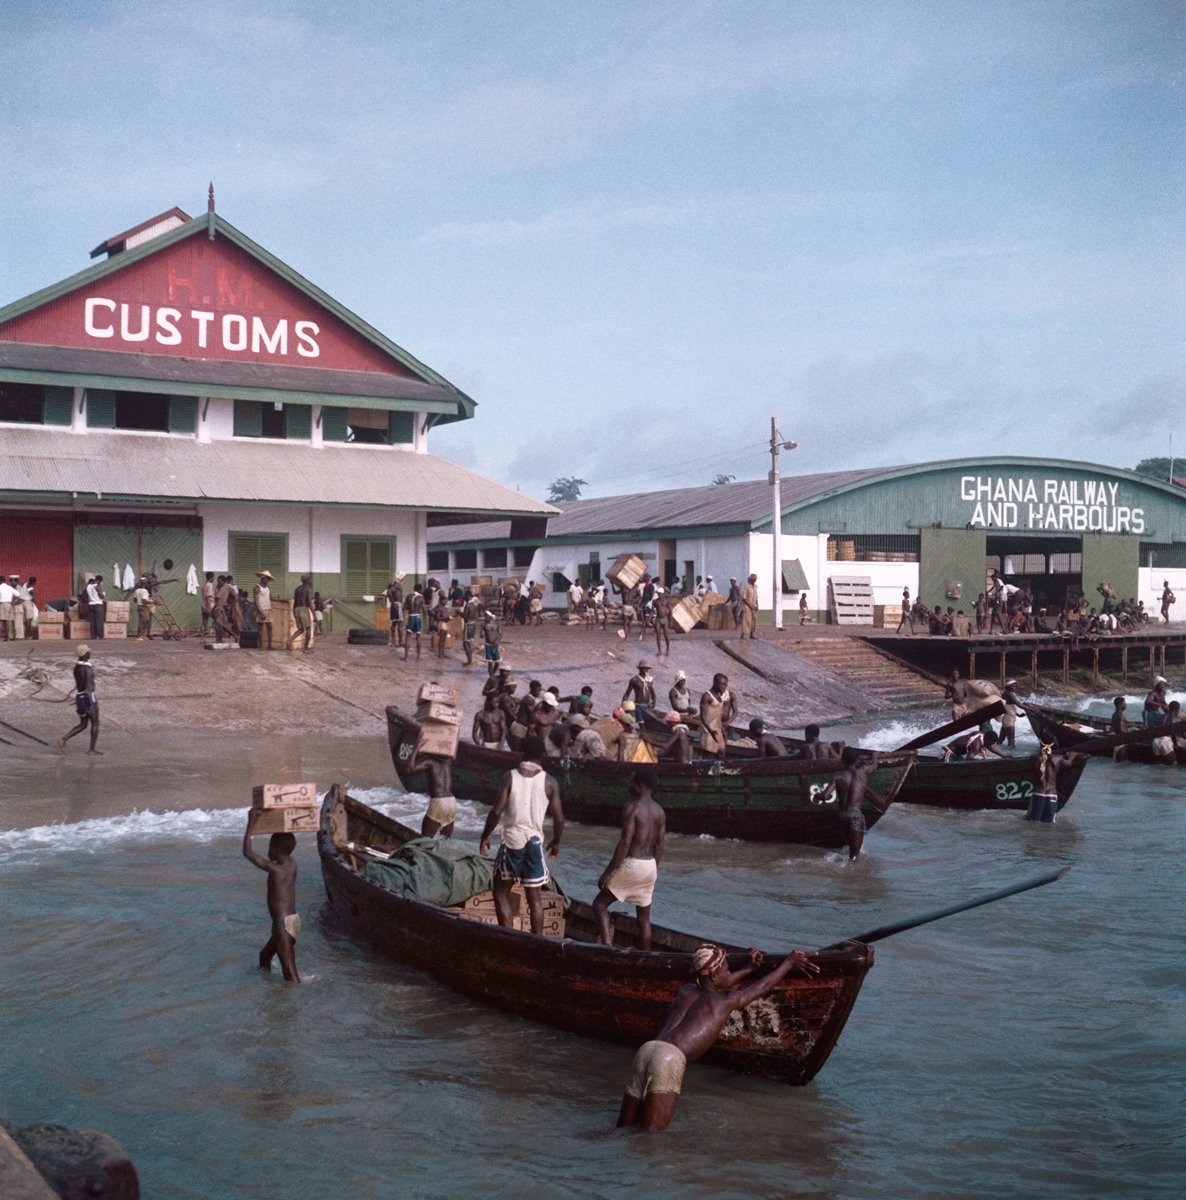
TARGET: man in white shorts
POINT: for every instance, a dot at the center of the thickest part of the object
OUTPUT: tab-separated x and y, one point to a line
634	867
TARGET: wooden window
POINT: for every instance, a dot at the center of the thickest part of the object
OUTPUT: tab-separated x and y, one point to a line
333	426
100	408
438	560
251	552
183	414
401	428
368	565
33	404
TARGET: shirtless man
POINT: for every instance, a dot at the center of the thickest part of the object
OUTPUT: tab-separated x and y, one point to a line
1167	598
907	612
1119	723
527	795
416	609
662	614
768	745
1155	703
490	724
1013	710
1050	764
957	693
282	873
634	866
973	745
641	689
694	1021
848	785
717	710
395	607
492	637
471	610
814	748
442	807
543	716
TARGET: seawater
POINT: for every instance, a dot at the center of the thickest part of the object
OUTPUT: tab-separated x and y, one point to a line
1033	1047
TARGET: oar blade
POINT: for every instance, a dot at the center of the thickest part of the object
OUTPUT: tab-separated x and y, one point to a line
967	721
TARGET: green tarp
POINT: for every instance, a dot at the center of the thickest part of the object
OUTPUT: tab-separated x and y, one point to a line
428	870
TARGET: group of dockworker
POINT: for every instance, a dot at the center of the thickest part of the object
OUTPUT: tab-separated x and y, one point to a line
18	607
529	796
1010	608
431	610
227	610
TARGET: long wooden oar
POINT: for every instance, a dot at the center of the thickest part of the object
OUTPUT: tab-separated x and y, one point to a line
995	709
1131	737
884	931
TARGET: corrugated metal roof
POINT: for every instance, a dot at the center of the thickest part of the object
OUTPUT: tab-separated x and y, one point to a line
201	377
748	502
40	462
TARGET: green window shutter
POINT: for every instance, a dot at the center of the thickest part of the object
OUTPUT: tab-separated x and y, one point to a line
183	414
100	408
368	566
249	418
251	552
298	421
58	402
401	428
333	426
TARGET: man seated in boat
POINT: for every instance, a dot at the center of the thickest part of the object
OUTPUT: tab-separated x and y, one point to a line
814	748
1155	703
634	865
680	697
1119	723
694	1022
528	794
768	745
976	744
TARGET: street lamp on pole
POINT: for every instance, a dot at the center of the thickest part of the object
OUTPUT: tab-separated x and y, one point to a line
777	444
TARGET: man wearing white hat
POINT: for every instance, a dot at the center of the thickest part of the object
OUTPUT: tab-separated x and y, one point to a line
262	598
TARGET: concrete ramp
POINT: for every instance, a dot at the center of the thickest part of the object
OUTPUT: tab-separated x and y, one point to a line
797	691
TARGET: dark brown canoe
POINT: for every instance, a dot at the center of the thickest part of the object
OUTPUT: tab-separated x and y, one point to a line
970	784
615	993
1088	734
757	800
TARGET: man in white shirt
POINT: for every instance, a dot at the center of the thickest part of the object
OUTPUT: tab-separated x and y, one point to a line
7	620
96	603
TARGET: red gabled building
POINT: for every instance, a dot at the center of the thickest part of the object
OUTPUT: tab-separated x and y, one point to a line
193	401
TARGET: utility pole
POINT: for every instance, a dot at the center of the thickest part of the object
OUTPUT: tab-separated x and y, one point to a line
777	444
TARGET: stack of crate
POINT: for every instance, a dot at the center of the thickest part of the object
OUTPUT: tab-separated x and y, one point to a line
481	908
285	808
51	623
78	629
115	618
440	720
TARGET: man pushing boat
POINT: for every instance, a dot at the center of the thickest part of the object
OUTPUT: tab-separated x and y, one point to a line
695	1020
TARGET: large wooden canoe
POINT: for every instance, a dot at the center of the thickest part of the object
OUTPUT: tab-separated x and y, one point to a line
615	993
1088	734
975	784
760	800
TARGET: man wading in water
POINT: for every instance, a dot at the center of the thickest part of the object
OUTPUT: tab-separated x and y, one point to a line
693	1023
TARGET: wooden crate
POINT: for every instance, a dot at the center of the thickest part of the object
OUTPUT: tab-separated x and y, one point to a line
284	795
115	630
626	570
51	630
436	692
439	739
686	614
283	624
286	820
51	616
382	616
436	710
117	610
79	631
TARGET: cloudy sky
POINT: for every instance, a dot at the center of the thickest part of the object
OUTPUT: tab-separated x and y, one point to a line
634	232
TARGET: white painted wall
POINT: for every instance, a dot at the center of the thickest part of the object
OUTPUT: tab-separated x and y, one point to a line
1150	580
314	535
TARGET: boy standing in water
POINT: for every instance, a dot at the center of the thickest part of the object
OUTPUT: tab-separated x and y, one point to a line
282	873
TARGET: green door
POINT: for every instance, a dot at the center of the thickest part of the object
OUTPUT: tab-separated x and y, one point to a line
951	561
1108	558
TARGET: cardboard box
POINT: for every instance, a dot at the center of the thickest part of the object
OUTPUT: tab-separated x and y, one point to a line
438	738
117	610
79	631
284	795
55	631
286	820
436	692
115	630
626	571
51	616
435	710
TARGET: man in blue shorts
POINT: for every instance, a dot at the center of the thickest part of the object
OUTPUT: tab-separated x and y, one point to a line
492	636
527	795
